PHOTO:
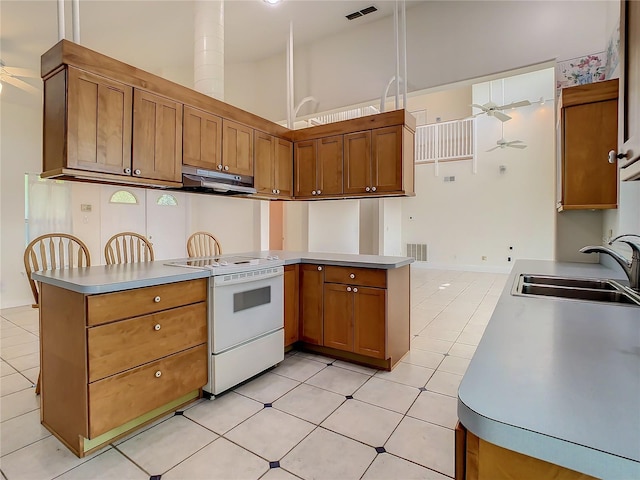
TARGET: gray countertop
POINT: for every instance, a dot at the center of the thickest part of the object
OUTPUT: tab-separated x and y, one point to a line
559	379
112	278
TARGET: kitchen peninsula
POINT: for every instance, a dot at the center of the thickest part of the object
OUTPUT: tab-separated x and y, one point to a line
122	345
554	386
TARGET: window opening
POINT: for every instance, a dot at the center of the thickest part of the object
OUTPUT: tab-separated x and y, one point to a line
168	200
123	196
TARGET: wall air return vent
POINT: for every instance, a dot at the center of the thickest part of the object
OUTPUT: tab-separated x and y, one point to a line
361	13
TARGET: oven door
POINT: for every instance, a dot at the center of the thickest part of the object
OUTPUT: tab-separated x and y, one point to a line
245	306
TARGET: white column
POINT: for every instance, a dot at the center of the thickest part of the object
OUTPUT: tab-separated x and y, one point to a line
208	53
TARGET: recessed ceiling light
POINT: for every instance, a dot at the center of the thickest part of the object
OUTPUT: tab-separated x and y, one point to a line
272	2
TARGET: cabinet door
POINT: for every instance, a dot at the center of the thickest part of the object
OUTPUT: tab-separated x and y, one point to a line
237	148
386	166
201	139
291	301
590	132
305	168
357	162
330	165
338	316
283	175
264	145
369	312
311	283
99	135
157	137
629	101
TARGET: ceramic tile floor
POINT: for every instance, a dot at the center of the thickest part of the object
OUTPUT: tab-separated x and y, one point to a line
310	417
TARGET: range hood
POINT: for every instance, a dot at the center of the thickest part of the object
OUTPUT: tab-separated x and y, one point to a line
210	181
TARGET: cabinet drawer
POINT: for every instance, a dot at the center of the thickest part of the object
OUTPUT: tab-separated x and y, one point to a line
109	307
116	400
122	345
367	277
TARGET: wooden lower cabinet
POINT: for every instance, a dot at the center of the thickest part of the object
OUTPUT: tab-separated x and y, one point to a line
311	304
358	314
477	459
105	374
291	302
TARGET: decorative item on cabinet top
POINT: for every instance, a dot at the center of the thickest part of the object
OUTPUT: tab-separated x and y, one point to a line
89	96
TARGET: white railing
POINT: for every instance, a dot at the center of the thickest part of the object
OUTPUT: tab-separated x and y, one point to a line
343	115
453	140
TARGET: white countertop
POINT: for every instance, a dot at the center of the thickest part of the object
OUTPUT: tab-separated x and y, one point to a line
112	278
559	379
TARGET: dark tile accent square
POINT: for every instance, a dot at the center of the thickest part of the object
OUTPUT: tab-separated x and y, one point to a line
178	412
267	405
380	450
329	364
349	397
155	477
446	354
275	464
422	389
416	336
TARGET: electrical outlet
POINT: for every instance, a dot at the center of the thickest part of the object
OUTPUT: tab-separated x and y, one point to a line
85	207
484	257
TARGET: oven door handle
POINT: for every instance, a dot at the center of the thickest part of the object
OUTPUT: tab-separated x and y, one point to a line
244	277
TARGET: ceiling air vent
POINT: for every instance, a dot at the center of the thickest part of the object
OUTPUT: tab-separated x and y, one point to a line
360	13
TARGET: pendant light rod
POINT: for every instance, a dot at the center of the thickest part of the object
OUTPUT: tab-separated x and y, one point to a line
61	20
75	19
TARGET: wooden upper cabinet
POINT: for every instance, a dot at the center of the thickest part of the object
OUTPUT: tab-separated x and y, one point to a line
386	158
237	148
305	168
629	104
283	170
99	122
272	165
589	130
357	162
311	303
157	137
201	139
329	165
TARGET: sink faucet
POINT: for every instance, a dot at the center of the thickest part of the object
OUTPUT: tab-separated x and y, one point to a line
631	268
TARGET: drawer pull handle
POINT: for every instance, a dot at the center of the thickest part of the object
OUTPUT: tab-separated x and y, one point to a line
348	289
157	299
319	269
353	275
157	327
158	374
355	289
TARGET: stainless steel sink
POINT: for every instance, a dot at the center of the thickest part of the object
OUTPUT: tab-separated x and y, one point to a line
583	289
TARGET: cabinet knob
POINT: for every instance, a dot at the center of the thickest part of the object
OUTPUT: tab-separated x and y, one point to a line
127	170
313	193
373	189
158	374
219	167
273	190
348	289
367	189
137	171
353	275
157	299
619	156
226	167
355	289
157	327
319	192
319	269
277	191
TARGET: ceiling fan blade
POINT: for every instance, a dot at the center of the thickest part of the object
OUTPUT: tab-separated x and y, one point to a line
513	142
501	116
522	103
494	148
481	107
16	82
21	72
517	146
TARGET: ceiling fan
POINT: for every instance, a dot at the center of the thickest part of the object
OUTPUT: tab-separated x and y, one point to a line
13	75
492	109
502	143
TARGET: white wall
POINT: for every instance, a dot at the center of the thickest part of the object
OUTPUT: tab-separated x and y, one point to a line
482	215
296	226
390	227
447	42
334	226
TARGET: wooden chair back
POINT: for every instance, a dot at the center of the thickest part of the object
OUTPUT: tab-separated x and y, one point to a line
128	247
203	244
54	251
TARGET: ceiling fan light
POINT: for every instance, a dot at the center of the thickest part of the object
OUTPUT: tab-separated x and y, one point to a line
272	2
